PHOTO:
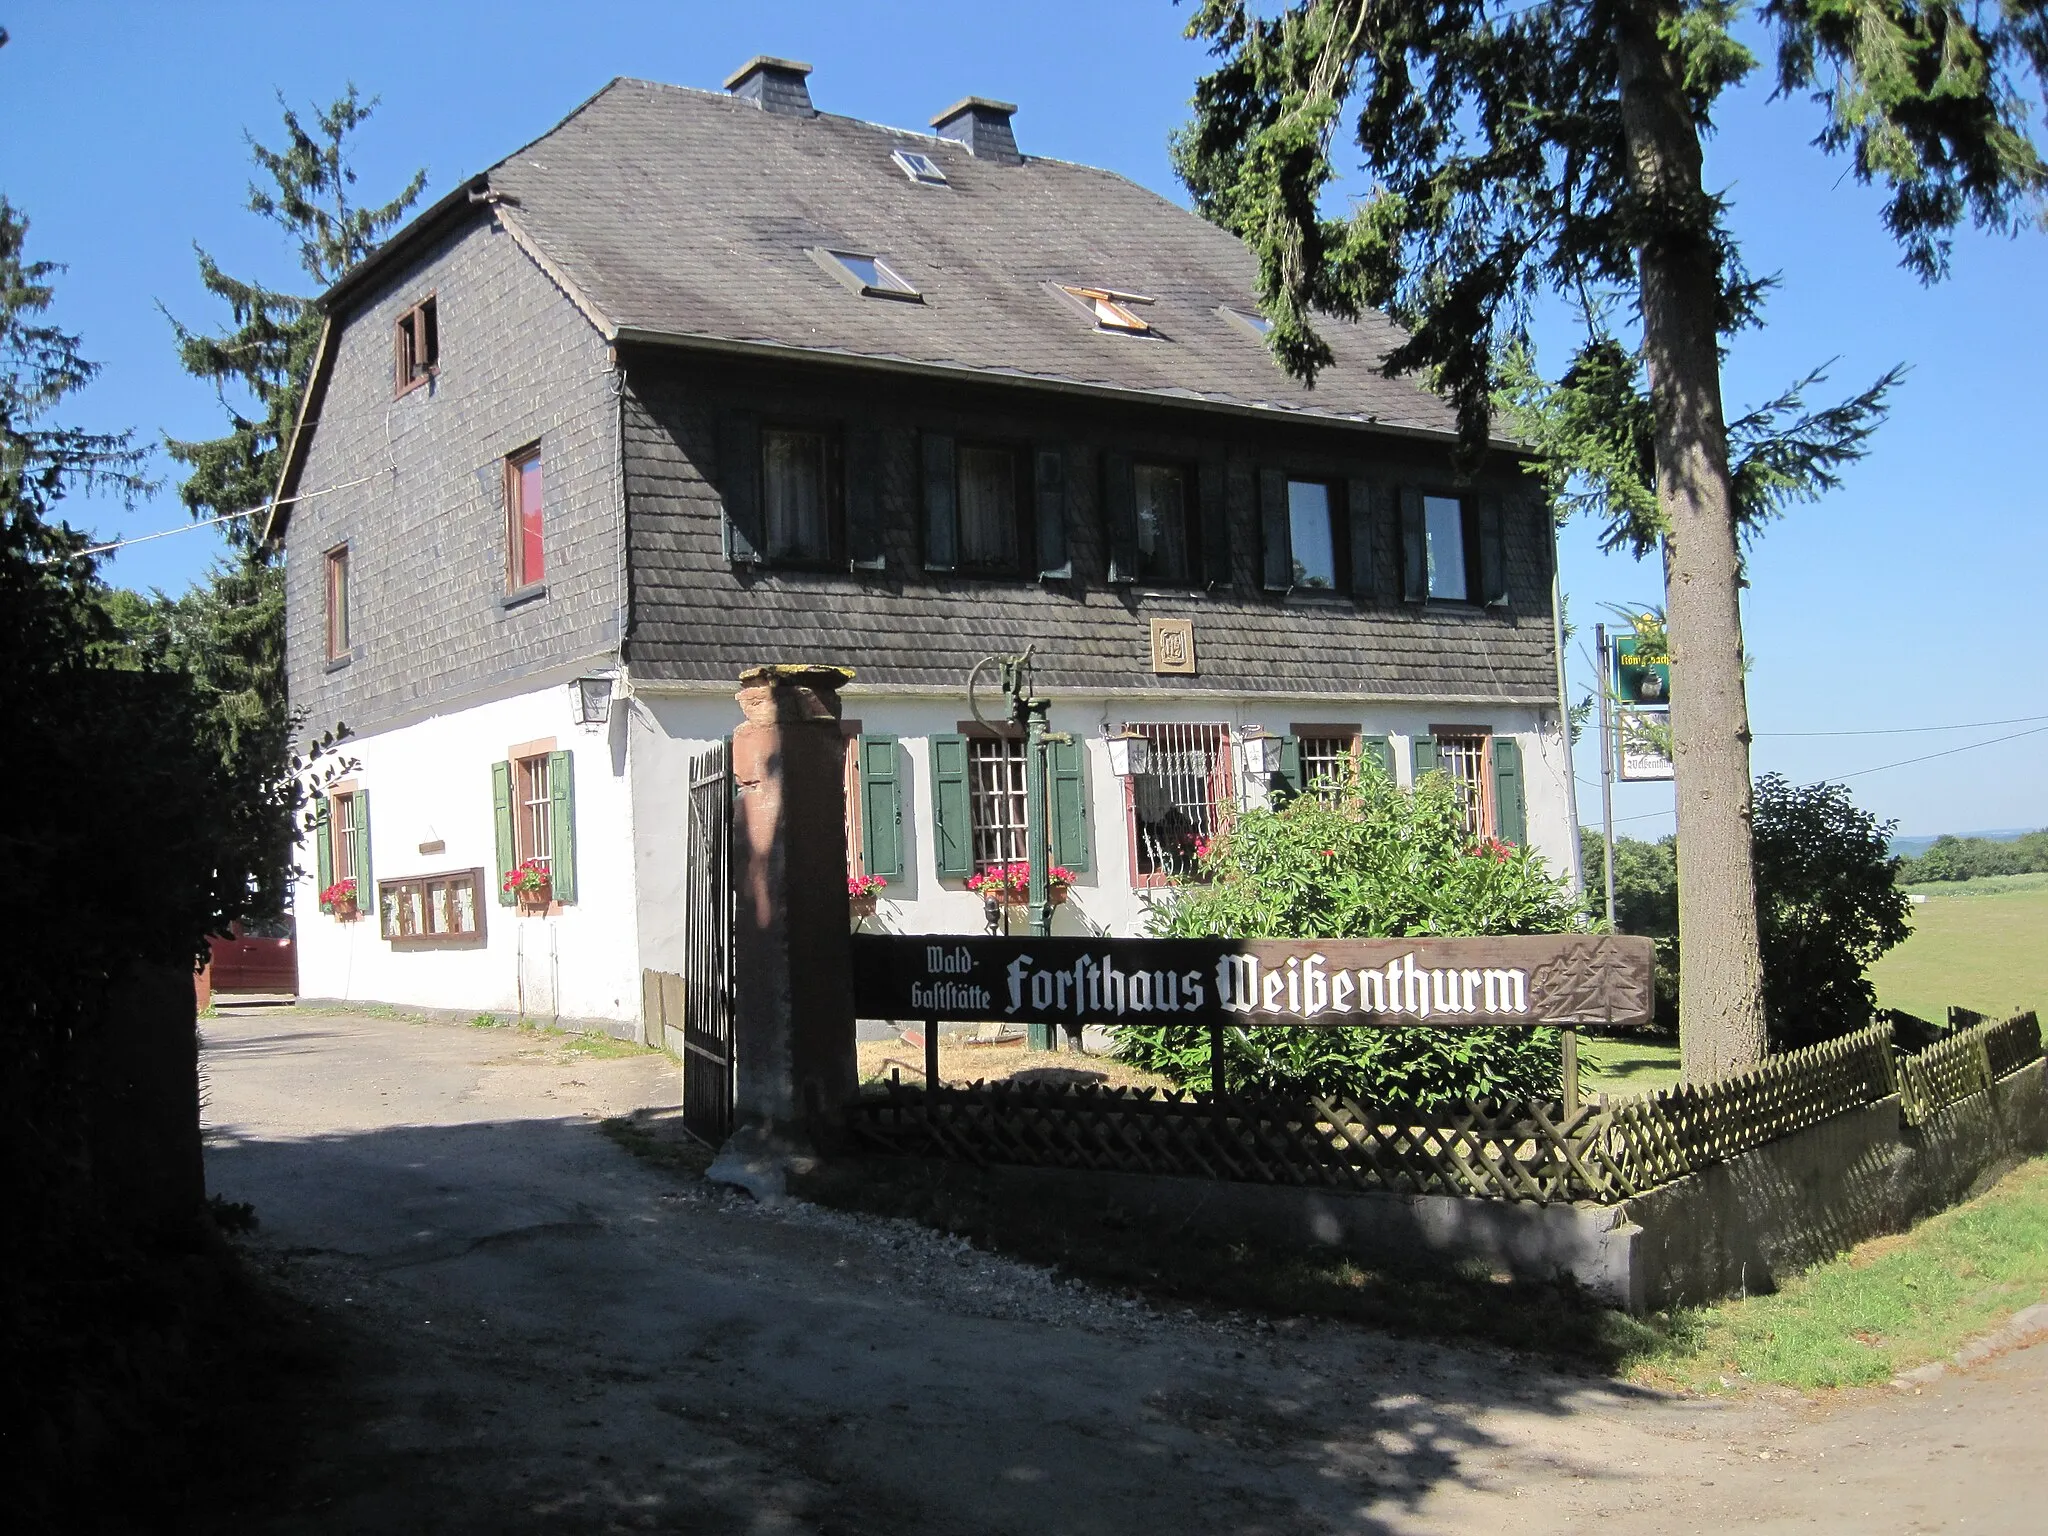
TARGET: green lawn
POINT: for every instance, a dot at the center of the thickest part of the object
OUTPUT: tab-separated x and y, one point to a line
1626	1065
1980	943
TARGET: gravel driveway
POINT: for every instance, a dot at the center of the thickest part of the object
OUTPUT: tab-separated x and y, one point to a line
548	1335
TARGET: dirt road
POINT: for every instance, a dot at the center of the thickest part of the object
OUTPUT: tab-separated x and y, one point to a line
551	1336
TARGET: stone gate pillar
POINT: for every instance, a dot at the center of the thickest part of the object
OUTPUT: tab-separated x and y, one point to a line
793	1033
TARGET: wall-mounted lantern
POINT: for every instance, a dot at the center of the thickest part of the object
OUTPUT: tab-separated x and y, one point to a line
591	699
1261	750
1130	753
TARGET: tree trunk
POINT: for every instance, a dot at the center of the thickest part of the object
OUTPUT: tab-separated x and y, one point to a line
1720	998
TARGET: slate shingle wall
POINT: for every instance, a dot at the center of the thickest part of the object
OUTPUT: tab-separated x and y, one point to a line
426	534
697	618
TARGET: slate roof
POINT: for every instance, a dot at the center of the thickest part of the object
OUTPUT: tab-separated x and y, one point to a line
682	214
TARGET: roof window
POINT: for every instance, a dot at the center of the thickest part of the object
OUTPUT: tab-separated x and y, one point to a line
1247	320
1111	309
869	276
919	167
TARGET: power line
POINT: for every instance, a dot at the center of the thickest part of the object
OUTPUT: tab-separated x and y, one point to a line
1909	730
225	517
1951	752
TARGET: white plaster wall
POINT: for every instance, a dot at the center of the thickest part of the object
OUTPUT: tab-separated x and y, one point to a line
431	779
666	729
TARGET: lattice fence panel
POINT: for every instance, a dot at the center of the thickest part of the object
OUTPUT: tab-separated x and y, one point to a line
1967	1062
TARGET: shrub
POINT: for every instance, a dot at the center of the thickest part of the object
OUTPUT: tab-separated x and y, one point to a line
1373	861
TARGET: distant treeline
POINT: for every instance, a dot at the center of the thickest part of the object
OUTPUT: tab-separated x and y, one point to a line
1971	858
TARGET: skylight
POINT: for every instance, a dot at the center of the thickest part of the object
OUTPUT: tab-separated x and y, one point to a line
921	168
1112	310
867	275
1247	320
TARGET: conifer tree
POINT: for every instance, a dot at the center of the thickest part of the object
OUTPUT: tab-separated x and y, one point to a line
1516	149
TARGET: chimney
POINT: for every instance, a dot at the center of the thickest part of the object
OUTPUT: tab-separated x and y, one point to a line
983	126
773	85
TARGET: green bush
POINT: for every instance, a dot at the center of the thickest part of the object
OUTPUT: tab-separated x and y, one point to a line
1974	858
1372	861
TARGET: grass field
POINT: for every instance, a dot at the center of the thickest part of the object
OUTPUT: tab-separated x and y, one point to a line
1626	1065
1980	943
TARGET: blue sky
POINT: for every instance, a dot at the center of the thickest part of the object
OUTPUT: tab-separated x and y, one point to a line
1908	599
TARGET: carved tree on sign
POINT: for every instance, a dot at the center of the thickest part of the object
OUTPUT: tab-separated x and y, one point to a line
1590	983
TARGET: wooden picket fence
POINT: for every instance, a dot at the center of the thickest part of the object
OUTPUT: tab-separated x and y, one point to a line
1527	1150
1967	1062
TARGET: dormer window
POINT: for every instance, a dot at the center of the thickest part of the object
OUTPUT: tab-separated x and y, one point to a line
1112	310
416	346
867	275
919	167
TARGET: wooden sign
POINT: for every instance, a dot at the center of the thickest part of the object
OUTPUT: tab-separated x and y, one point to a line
1547	979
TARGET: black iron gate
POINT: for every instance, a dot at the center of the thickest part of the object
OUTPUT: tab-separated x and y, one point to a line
707	936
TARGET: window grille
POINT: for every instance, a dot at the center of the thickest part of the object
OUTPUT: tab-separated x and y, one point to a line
536	810
347	820
1463	759
856	863
995	786
1326	762
1177	804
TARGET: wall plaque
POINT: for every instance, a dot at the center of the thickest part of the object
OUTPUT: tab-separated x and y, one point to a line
1173	646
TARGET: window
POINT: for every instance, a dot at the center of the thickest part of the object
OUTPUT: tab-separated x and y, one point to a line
987	482
337	602
1177	804
1161	495
796	479
533	809
1465	759
1112	310
1248	321
869	276
917	167
996	801
416	346
432	909
1448	536
345	818
1312	534
1326	759
526	557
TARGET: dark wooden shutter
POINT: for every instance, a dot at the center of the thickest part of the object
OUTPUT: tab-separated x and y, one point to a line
1212	490
1069	779
1362	504
1414	547
1493	550
1279	539
864	547
952	809
881	808
1120	513
1424	755
366	888
1290	775
562	825
501	821
1049	489
739	468
1377	749
941	506
323	847
1510	807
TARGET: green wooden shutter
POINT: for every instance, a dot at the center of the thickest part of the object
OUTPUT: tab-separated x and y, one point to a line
501	811
1279	536
864	548
1424	756
562	828
941	509
1362	504
881	808
1120	513
1510	808
1377	749
739	468
1049	493
1212	489
1414	547
1493	552
323	847
366	888
1290	766
952	809
1070	805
